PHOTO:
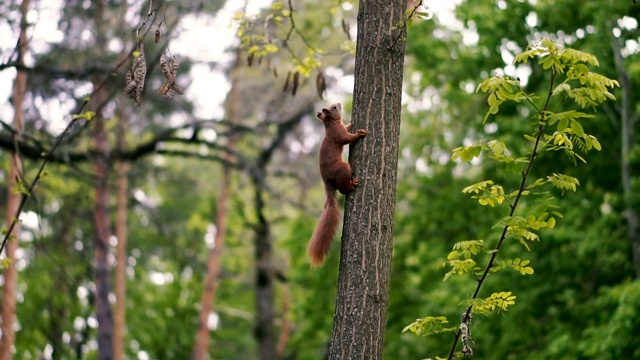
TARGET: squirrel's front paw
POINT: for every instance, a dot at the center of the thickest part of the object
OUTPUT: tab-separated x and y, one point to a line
362	132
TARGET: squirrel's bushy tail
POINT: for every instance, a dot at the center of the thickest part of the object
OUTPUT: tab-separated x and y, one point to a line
326	228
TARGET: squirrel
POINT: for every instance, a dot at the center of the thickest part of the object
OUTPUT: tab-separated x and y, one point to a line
336	175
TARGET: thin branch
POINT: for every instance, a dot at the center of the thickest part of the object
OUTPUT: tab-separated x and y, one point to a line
143	149
191	154
281	132
503	236
294	28
57	73
403	28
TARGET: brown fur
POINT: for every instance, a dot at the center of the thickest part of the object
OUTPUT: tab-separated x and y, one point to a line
336	175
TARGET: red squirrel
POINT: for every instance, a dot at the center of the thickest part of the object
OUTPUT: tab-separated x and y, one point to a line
336	175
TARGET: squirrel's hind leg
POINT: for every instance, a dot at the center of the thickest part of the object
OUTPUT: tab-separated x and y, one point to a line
344	183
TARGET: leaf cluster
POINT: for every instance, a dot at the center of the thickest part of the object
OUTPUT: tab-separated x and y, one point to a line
496	302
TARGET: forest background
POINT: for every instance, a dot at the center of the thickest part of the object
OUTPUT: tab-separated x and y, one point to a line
132	200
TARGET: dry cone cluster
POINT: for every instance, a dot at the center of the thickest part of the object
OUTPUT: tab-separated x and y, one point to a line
170	71
135	76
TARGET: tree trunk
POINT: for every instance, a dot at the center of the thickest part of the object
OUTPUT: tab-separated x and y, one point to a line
13	199
102	234
627	134
365	263
119	319
214	262
264	331
101	214
201	347
120	306
265	272
285	328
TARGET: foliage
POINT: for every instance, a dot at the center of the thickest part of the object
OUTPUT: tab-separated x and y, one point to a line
556	60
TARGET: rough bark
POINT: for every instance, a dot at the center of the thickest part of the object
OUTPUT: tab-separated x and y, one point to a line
101	213
13	200
365	264
627	121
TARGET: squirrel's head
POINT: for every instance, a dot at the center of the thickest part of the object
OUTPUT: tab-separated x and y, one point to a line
332	113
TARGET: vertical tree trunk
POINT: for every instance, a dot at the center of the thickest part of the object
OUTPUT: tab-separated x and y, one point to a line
102	234
365	264
101	214
265	272
627	121
120	306
214	262
213	269
119	324
285	328
264	331
13	199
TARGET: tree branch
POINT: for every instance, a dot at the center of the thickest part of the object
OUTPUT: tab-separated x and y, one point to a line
466	317
70	74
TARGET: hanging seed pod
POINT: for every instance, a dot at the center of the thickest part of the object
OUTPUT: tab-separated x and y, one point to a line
136	75
321	84
169	67
174	73
345	29
164	66
140	74
130	83
157	37
250	60
296	82
286	82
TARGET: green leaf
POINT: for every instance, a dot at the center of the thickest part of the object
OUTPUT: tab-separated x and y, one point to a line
430	325
570	55
564	87
564	182
577	128
562	124
4	263
477	187
87	115
595	143
466	153
551	223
